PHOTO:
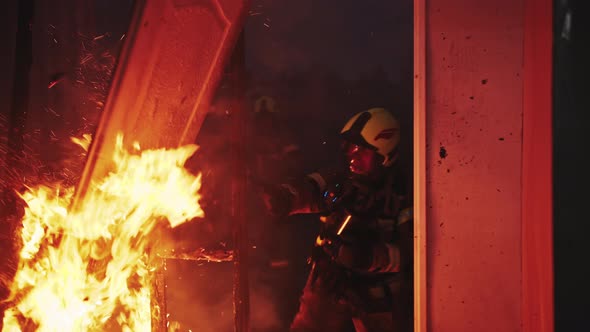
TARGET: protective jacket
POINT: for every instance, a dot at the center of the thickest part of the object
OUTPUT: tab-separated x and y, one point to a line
362	261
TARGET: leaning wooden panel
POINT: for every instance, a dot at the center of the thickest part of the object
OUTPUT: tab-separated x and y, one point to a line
166	74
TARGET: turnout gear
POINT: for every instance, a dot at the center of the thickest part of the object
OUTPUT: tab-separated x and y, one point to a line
362	259
361	263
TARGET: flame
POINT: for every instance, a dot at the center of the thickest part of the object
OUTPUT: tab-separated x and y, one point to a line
89	269
83	142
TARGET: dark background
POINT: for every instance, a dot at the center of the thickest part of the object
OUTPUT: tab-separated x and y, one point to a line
571	182
319	61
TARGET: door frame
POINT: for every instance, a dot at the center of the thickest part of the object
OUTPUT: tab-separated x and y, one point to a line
420	218
537	169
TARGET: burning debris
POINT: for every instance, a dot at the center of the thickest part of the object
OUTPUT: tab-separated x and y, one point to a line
201	254
95	66
55	79
90	269
14	177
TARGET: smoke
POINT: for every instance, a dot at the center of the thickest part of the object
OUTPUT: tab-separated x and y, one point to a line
200	298
263	307
350	37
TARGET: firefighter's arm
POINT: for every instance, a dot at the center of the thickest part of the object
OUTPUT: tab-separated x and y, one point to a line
377	256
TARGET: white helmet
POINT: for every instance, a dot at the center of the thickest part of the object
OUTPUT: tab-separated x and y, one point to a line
376	129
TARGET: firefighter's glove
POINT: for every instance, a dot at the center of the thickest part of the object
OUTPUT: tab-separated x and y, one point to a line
338	193
277	200
351	255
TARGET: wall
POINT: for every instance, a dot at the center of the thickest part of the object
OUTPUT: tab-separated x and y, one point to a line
474	126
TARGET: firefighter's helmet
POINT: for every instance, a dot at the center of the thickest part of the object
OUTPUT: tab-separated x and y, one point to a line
375	129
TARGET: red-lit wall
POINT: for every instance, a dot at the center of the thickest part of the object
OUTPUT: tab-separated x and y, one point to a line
474	61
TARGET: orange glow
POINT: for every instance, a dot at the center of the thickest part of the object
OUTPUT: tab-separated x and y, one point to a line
89	269
344	224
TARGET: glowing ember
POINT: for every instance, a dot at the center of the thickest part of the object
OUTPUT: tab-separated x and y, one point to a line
89	270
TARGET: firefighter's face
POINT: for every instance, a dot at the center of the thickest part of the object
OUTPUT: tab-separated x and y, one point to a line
360	160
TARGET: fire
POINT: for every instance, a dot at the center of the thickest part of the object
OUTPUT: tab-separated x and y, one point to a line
89	269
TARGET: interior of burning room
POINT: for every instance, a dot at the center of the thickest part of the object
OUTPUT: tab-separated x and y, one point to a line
138	146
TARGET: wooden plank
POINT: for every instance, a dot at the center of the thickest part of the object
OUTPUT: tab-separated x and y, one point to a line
158	307
168	70
165	77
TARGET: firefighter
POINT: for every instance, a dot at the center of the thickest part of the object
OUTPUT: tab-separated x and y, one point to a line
362	259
